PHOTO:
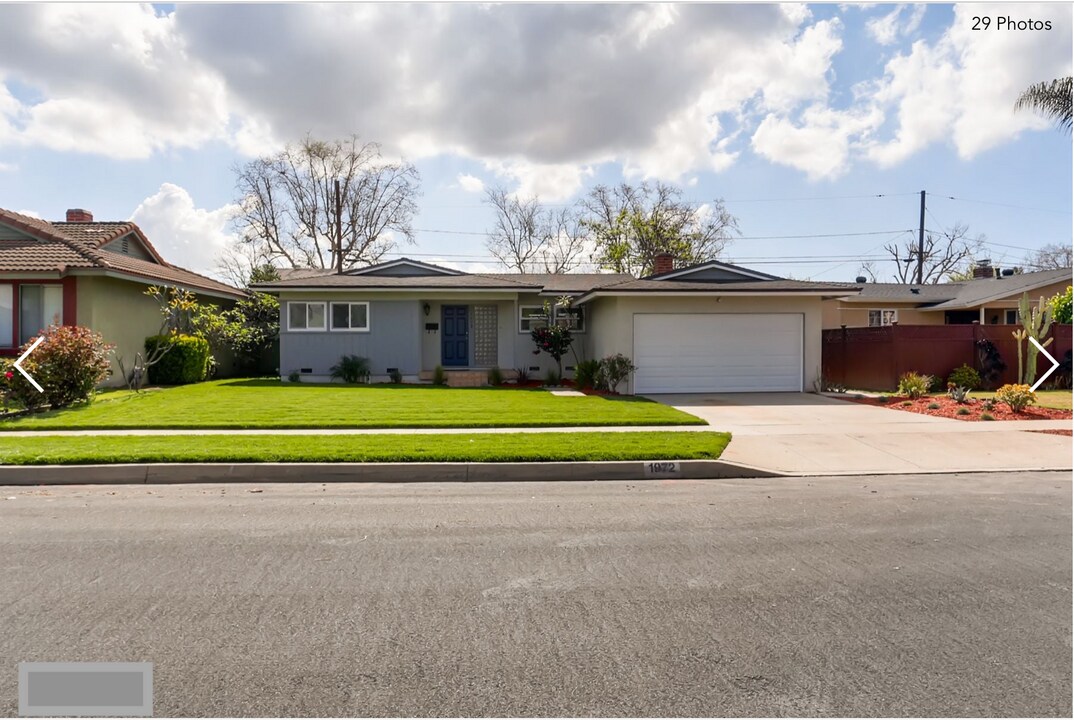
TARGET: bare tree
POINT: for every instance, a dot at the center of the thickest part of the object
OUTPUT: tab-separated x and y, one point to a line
631	224
566	243
518	232
1050	257
238	262
945	254
288	207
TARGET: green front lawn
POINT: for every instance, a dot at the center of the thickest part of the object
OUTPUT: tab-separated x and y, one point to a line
483	447
273	404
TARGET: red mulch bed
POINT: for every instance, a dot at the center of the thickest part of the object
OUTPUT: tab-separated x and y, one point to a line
1067	433
949	409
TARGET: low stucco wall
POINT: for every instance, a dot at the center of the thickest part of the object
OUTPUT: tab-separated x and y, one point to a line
613	322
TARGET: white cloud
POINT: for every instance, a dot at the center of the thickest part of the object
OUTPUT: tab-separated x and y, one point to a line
887	29
8	167
551	183
183	234
963	87
30	213
820	145
469	183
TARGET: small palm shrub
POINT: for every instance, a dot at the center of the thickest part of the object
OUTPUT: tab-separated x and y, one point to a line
551	378
351	369
914	385
495	376
614	369
585	374
1016	397
439	376
964	377
522	375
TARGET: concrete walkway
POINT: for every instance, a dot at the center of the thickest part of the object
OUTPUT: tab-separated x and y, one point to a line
810	434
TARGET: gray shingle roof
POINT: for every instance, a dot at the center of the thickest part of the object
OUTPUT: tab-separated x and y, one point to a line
975	292
789	286
416	282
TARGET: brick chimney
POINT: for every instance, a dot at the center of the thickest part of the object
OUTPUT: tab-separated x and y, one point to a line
984	269
663	263
79	215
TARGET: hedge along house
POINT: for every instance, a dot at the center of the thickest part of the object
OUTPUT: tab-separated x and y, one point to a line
712	327
93	274
409	316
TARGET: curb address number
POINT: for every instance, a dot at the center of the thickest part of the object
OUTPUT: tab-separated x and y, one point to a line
662	469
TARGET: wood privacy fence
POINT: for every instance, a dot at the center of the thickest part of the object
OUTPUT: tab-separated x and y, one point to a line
874	358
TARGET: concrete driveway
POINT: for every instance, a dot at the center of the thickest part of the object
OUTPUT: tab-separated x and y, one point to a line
810	434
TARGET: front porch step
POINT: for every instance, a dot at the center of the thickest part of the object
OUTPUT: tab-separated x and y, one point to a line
459	378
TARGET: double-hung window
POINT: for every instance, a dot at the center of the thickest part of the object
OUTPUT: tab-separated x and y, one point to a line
305	316
350	316
39	307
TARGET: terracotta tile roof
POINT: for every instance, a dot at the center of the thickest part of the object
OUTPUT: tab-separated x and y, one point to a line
62	246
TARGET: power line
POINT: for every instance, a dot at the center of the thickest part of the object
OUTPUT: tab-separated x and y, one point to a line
755	237
999	204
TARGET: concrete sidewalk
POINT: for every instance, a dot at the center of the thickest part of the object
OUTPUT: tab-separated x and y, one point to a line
804	434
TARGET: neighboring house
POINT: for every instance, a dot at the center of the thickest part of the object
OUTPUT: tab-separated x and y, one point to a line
713	327
93	274
990	298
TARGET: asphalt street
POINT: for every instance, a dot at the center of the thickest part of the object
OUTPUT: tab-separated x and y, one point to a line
899	595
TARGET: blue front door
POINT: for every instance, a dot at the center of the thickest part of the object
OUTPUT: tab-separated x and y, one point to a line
454	336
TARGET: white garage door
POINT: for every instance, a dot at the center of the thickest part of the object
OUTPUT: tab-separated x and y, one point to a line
727	352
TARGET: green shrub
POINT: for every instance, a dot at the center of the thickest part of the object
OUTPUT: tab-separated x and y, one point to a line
914	385
351	369
1060	305
884	399
495	376
614	369
395	376
551	378
962	411
68	365
964	377
585	374
186	362
522	375
986	416
907	403
439	376
1016	397
933	406
294	376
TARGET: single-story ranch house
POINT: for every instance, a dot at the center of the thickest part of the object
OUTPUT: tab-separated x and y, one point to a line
94	274
712	327
990	298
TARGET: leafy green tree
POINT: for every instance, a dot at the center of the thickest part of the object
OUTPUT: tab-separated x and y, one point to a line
1060	306
630	225
1052	99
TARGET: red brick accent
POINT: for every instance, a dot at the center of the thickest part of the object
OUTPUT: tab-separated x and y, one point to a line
663	263
79	215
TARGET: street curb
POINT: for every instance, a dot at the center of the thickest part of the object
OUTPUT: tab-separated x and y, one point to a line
174	473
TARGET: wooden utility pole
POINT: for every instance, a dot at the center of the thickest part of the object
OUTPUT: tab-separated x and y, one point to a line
921	243
339	228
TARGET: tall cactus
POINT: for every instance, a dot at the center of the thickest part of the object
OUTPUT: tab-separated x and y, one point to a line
1036	322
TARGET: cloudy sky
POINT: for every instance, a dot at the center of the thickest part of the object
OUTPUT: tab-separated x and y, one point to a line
797	115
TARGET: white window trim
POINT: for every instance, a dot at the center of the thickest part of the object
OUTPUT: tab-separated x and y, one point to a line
349	304
579	308
521	308
894	316
307	303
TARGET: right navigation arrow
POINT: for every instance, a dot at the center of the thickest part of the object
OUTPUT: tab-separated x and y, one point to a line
1055	364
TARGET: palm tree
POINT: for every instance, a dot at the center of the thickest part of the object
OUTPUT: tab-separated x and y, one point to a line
1051	99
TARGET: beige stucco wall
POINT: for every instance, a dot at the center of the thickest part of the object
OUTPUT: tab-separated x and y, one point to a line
853	314
837	313
120	311
613	321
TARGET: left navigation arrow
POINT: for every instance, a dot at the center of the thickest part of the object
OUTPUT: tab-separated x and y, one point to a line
18	364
